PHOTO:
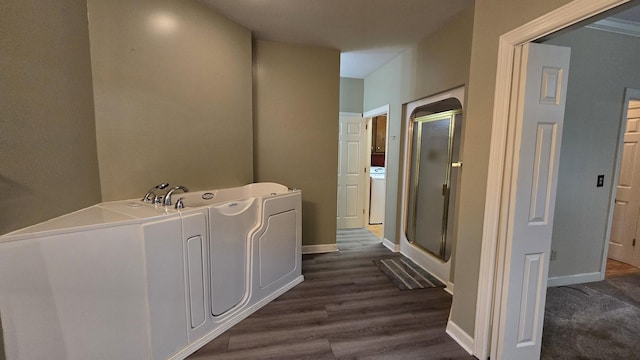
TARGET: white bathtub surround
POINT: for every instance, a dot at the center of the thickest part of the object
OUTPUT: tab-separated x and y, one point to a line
127	279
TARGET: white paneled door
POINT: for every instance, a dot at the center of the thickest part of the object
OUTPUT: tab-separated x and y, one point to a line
540	114
626	211
352	171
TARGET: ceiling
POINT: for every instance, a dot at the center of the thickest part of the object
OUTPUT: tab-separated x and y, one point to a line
631	14
368	33
624	20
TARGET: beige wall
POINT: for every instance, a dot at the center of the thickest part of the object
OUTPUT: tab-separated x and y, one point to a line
48	164
296	129
173	96
492	18
391	85
437	63
351	95
443	58
443	63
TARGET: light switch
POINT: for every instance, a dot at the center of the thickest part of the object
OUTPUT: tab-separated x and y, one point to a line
600	182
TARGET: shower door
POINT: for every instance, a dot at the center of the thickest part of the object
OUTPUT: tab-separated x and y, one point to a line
434	155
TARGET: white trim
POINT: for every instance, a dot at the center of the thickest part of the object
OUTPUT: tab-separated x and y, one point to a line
367	189
462	338
575	279
234	320
495	207
319	249
350	114
389	245
449	288
369	115
384	109
617	26
629	94
435	266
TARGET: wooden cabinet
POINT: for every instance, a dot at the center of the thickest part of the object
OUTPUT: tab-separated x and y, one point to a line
378	134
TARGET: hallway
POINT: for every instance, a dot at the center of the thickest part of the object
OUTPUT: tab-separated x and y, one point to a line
345	309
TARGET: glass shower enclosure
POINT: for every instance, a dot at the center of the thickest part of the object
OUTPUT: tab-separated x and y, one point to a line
434	166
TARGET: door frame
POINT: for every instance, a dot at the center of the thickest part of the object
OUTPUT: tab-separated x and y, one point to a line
629	94
368	116
501	174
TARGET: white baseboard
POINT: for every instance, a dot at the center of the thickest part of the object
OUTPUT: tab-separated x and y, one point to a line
462	338
449	288
574	279
318	249
391	246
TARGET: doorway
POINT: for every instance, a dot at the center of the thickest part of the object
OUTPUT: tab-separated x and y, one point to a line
596	308
592	141
626	202
377	127
377	161
497	211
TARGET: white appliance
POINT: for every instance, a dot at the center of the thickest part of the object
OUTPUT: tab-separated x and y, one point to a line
376	203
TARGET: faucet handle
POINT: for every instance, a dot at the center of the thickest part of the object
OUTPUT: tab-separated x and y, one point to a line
157	199
151	196
180	204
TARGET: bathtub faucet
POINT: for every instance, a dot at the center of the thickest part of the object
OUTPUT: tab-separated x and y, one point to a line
167	198
151	195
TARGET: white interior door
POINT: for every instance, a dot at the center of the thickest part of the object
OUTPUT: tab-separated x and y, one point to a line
352	171
627	204
538	132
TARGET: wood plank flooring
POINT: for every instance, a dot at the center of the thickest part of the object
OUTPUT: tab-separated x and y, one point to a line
618	268
375	229
345	309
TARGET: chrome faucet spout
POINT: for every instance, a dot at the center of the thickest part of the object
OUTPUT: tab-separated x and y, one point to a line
151	196
167	197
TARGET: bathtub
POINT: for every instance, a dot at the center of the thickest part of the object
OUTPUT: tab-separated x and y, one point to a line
127	279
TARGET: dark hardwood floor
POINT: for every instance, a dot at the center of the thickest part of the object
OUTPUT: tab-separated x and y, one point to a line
345	309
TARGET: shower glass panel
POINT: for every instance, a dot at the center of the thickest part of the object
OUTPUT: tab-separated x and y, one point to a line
433	150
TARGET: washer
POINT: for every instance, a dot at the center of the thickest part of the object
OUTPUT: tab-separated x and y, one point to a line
376	203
